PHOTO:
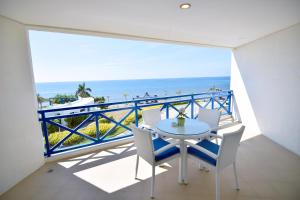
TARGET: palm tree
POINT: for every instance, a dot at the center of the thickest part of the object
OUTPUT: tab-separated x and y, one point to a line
82	91
214	89
178	92
40	100
125	96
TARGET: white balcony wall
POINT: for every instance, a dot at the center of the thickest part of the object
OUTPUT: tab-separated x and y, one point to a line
266	80
21	143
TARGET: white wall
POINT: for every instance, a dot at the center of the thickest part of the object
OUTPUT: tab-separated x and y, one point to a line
266	83
21	143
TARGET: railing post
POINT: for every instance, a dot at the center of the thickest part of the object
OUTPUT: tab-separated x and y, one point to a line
229	102
167	111
97	126
136	114
192	107
45	132
213	101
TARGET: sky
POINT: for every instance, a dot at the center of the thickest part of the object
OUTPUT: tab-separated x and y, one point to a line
60	57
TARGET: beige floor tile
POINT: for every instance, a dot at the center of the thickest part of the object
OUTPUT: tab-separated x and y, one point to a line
266	171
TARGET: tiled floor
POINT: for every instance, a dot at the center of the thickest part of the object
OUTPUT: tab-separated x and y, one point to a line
266	171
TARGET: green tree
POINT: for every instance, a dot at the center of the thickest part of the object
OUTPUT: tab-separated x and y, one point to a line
83	91
178	92
63	98
125	96
40	100
214	89
99	100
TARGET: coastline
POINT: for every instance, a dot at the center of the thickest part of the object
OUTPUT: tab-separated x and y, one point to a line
120	90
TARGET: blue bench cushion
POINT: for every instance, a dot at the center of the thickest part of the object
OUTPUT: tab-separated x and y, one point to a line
159	143
208	145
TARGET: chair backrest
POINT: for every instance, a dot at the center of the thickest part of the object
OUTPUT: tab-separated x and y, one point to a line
151	117
211	117
228	148
143	143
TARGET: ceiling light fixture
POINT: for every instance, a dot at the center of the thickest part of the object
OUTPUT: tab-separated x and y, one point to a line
185	6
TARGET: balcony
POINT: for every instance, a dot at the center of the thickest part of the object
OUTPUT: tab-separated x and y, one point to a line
107	122
266	171
263	37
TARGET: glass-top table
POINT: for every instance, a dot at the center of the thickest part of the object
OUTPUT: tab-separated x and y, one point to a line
192	129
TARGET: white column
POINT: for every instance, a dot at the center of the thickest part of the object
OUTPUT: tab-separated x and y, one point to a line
21	143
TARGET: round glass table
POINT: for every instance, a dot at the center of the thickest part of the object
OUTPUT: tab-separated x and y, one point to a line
192	129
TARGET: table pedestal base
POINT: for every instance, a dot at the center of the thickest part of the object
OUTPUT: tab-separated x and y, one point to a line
182	178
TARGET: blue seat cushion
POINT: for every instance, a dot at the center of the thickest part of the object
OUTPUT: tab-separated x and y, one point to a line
208	145
159	143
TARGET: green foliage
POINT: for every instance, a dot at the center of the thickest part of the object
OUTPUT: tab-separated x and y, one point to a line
83	91
52	128
214	89
60	98
90	130
54	138
40	100
131	118
72	122
104	120
99	100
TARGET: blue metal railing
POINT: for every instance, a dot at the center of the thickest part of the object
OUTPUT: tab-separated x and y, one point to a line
213	100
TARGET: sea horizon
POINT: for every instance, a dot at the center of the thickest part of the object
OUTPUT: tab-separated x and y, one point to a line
37	82
119	90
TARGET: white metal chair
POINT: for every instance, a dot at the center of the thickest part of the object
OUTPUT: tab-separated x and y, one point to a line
212	118
155	152
151	117
218	157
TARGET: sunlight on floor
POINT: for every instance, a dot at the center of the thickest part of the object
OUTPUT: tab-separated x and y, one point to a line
118	174
88	158
69	163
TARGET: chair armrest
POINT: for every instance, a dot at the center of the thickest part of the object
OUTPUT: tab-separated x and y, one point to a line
173	144
145	126
148	128
209	153
214	129
215	135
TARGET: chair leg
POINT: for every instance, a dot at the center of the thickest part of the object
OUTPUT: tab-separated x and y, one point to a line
218	185
153	182
217	142
137	165
201	167
236	177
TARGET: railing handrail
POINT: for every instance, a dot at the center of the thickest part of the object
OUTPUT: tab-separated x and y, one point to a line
134	106
135	101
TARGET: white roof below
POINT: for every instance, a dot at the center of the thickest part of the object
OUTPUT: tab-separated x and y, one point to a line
227	23
79	102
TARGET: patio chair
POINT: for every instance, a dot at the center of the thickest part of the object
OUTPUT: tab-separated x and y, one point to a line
212	118
155	152
218	157
151	118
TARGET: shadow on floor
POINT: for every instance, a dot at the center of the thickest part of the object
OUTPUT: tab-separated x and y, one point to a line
266	171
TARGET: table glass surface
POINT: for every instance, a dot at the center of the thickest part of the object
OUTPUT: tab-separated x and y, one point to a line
191	127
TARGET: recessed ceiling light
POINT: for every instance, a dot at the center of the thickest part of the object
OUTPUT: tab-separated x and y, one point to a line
185	6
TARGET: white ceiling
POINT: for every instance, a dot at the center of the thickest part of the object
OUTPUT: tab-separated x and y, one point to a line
226	23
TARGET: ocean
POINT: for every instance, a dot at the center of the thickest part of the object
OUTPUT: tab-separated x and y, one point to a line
114	90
